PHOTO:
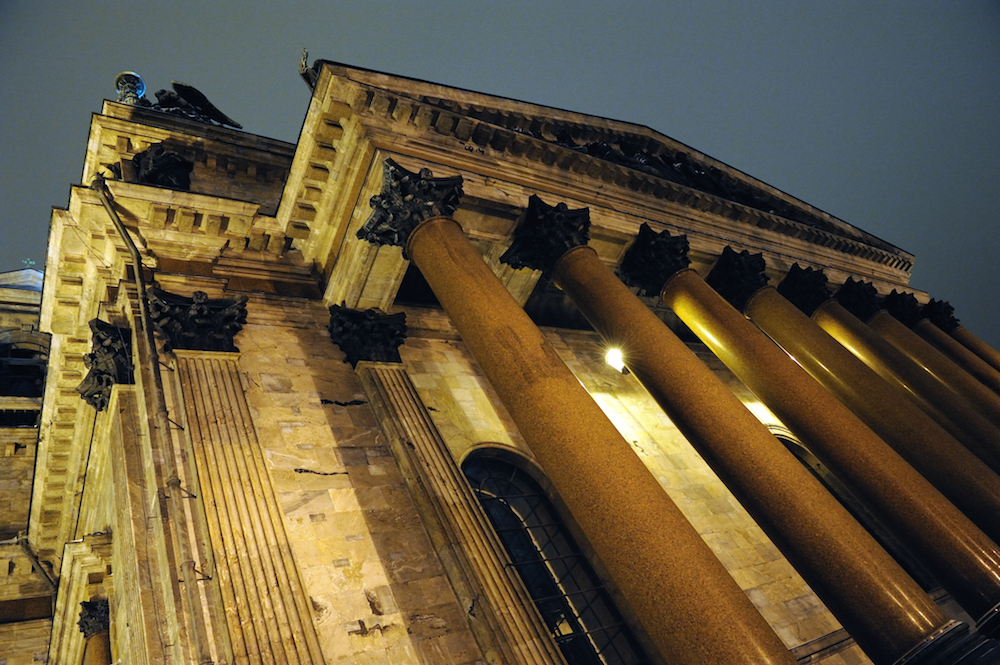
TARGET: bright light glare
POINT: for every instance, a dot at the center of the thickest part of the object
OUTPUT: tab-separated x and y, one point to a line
615	359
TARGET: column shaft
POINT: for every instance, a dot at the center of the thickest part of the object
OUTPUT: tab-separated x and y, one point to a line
878	603
961	355
977	346
939	401
959	555
938	364
691	608
957	473
97	649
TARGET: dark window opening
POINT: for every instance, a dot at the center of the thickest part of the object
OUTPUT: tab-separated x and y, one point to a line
19	418
578	611
22	370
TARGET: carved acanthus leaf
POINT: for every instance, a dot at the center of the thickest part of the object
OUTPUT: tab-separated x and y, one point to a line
407	199
545	234
903	307
859	298
941	314
737	276
109	362
652	259
95	617
367	334
805	288
196	323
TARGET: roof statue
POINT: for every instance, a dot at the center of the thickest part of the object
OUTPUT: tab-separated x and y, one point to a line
185	100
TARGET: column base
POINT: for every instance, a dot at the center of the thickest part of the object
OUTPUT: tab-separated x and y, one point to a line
953	645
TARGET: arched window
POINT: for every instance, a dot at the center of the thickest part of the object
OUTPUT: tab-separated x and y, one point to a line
569	595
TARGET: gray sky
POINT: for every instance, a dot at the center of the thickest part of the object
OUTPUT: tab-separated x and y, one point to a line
884	114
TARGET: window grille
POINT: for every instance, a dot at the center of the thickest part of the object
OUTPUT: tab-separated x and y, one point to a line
576	608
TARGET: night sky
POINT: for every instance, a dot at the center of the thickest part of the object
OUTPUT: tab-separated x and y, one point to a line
884	114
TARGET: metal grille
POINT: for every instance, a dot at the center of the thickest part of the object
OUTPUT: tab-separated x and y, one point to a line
573	602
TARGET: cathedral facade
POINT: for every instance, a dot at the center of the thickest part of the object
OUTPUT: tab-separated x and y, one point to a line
461	380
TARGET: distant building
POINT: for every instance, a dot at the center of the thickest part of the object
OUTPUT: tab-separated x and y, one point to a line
363	412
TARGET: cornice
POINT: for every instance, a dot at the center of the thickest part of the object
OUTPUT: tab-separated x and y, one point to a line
521	137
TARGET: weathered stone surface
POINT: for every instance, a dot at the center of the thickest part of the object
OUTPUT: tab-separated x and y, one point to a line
94	617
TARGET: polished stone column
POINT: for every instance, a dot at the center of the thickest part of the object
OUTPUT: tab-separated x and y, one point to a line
842	319
958	554
95	625
937	319
890	324
691	608
876	601
978	346
961	476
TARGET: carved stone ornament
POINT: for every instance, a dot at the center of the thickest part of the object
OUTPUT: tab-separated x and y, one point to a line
941	314
109	362
737	276
406	200
903	307
185	100
545	234
805	288
859	298
163	168
367	334
196	323
652	259
95	617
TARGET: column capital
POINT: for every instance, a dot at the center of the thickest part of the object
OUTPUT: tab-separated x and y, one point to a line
805	288
407	199
545	234
367	334
95	617
196	323
109	362
941	314
737	276
653	259
903	307
859	298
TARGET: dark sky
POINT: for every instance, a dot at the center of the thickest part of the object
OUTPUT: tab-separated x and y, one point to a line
884	114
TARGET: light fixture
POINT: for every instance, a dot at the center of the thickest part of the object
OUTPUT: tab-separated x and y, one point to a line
614	358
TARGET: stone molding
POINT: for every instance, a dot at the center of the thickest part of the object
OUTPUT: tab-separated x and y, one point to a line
805	288
196	323
109	362
545	234
367	334
407	199
95	617
859	298
941	314
737	276
653	259
537	139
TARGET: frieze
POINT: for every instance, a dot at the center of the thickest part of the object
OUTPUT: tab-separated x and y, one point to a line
407	199
197	323
652	259
109	362
545	234
903	307
367	334
859	298
941	314
95	617
737	276
805	288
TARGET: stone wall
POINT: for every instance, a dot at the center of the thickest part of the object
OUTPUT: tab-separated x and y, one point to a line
25	643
